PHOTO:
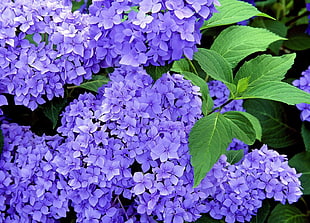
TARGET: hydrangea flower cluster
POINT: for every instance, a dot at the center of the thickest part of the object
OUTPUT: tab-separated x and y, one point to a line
147	32
30	188
122	156
41	49
220	95
43	45
236	192
308	9
304	84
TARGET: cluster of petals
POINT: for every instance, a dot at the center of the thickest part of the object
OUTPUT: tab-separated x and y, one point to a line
303	83
122	156
44	45
236	192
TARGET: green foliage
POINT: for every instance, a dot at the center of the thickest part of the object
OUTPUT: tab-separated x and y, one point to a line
262	213
52	110
94	84
265	68
212	134
181	65
237	42
277	91
207	102
232	11
208	140
234	156
301	162
184	67
157	71
276	27
214	65
299	41
287	214
242	84
305	132
277	131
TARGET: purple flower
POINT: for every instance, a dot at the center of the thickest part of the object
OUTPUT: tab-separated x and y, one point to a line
303	84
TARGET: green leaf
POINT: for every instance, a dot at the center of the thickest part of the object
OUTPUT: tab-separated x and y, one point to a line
180	65
157	71
301	162
53	108
305	132
237	42
214	65
298	42
265	68
76	5
234	156
242	84
244	126
206	98
276	27
287	214
262	213
232	11
208	140
277	91
212	134
277	131
266	3
94	84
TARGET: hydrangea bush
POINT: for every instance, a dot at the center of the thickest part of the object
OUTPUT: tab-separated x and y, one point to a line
155	112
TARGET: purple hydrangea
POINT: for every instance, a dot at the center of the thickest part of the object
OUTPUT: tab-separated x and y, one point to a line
308	9
43	45
303	84
123	156
236	192
30	188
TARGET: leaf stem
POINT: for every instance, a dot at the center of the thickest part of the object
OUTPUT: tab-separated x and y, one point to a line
220	107
293	20
120	202
192	65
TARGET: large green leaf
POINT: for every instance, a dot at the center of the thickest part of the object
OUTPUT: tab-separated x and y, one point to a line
94	84
237	42
212	134
157	71
276	27
287	214
301	161
265	68
214	65
208	140
277	91
232	11
305	132
245	126
277	130
300	41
